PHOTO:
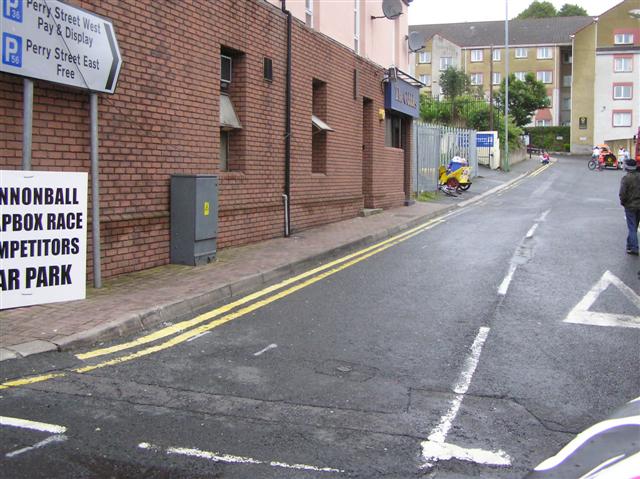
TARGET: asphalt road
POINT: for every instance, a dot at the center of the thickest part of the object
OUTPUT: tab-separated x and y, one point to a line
442	353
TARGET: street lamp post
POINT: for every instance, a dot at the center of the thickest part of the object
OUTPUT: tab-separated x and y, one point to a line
505	161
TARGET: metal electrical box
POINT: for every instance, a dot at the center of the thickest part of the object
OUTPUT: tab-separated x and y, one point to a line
194	219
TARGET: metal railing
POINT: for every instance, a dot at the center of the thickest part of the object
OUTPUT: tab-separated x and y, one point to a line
435	145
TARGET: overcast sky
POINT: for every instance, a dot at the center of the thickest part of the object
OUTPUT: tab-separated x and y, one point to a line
422	12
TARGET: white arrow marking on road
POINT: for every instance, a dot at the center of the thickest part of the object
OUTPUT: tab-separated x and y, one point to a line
580	314
47	441
271	346
435	448
34	426
217	457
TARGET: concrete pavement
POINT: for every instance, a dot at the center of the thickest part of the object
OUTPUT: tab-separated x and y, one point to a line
138	301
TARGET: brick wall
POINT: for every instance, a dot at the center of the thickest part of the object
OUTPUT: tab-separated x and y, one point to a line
164	119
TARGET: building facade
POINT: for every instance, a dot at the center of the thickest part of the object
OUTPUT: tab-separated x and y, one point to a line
538	46
203	90
359	25
606	79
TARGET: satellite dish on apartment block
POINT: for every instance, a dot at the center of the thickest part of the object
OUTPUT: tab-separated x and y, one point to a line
391	9
635	13
416	41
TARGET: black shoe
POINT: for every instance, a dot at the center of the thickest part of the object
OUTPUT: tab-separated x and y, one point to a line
630	251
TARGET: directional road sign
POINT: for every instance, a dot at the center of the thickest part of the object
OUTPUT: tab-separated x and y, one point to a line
50	40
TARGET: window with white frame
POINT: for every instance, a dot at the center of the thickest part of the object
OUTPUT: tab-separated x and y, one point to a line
445	62
550	101
520	75
496	78
623	38
544	53
308	12
476	55
567	58
566	81
566	103
623	91
497	55
622	64
424	57
545	76
426	79
477	79
356	26
521	53
543	122
622	118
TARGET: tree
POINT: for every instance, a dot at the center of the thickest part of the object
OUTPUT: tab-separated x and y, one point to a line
538	10
454	83
570	10
525	97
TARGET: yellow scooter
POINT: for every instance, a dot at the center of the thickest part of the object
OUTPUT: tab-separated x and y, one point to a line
455	177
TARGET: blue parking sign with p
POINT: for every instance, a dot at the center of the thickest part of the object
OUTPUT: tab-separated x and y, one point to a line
11	50
12	9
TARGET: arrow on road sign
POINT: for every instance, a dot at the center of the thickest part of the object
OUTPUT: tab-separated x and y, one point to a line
580	314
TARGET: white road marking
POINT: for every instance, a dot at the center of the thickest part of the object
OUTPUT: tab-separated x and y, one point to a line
47	441
435	448
531	231
580	314
543	216
504	286
271	346
445	452
198	336
217	457
33	425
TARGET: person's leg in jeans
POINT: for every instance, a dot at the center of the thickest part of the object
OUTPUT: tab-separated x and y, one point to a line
633	220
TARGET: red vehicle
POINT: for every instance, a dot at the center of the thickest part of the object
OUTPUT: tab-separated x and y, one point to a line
637	139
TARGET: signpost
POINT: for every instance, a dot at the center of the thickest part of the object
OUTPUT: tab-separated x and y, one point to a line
43	237
53	41
50	40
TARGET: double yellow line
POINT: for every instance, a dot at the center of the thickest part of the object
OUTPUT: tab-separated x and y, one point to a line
186	330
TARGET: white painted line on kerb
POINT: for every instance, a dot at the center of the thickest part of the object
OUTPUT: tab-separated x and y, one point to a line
46	442
228	458
271	346
33	425
435	448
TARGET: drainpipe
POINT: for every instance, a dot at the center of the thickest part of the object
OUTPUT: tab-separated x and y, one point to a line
287	135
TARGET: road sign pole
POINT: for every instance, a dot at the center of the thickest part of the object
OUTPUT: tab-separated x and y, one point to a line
95	194
27	120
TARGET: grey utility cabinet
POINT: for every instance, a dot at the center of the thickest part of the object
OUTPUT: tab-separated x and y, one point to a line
194	219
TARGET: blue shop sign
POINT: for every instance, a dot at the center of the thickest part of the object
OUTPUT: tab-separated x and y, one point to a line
402	97
484	140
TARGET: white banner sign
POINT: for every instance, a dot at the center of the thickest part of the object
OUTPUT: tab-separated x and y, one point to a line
43	237
53	41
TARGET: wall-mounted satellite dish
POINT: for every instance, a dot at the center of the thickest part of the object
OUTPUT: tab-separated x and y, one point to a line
635	13
416	41
391	9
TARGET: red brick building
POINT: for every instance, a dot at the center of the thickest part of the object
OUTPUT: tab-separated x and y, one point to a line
165	118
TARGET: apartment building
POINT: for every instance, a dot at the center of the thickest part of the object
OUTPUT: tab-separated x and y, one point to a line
203	89
606	79
538	46
359	25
